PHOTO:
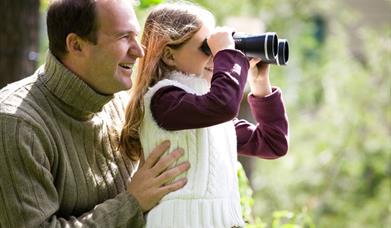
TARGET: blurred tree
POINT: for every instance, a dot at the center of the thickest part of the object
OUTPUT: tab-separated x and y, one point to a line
19	36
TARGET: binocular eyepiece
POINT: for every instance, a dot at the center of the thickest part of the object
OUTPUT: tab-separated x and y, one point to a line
265	46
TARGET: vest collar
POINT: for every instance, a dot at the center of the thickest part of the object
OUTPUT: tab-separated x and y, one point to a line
196	82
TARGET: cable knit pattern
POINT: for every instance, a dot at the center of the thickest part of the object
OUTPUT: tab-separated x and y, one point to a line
58	162
211	197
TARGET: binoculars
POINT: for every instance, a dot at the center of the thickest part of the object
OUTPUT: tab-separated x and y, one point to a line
266	46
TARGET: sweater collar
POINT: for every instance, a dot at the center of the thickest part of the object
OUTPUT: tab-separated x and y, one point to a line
196	82
80	98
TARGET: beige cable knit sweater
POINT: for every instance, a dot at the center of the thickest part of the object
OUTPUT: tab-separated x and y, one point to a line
58	163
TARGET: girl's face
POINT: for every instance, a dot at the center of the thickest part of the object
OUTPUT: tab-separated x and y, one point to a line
190	59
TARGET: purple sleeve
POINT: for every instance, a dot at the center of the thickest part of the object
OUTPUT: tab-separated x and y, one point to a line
269	137
175	109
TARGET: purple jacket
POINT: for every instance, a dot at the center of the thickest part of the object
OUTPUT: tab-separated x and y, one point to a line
175	109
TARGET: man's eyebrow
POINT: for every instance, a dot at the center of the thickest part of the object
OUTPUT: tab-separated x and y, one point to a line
126	32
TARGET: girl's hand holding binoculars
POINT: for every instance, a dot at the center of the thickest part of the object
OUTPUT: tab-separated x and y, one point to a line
259	78
221	39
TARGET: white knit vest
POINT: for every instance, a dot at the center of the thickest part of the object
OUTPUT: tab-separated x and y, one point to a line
211	198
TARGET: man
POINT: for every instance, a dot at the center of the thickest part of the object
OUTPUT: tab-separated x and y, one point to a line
59	162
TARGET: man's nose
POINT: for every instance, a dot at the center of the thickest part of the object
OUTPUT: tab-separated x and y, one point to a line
136	49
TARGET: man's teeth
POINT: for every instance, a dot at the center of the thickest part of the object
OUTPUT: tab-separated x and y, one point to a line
127	66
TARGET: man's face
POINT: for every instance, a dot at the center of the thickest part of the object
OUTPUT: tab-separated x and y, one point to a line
110	62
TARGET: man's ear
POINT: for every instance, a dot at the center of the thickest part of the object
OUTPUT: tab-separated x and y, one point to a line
74	44
168	56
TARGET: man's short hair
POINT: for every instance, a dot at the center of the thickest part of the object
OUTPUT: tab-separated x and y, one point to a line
70	16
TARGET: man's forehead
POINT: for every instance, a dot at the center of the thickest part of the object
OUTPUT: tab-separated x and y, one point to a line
117	15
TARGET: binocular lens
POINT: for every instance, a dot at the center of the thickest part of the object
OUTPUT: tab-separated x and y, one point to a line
262	46
282	55
265	46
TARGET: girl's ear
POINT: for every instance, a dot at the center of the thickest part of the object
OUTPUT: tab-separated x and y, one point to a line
168	56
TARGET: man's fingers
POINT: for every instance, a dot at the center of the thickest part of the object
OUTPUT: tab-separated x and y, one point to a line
173	186
156	154
166	161
172	173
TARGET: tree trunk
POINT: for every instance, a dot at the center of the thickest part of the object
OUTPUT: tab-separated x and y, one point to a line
19	39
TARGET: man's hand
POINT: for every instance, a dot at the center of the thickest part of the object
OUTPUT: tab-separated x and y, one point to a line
153	179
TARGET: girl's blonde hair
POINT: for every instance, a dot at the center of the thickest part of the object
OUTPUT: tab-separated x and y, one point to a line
170	24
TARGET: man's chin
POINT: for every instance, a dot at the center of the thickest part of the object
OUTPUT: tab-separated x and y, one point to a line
126	82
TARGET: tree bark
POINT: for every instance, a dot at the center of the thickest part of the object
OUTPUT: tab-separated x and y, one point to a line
19	39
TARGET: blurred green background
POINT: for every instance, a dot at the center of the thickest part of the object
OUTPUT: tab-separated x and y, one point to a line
337	92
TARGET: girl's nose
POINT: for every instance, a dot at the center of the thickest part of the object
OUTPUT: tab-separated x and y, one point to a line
210	61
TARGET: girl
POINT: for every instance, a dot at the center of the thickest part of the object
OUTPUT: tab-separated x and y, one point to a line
182	94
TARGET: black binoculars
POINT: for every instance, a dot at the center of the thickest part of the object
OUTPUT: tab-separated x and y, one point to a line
265	46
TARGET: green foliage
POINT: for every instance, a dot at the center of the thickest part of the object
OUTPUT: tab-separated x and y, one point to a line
247	201
43	5
281	219
144	4
287	219
246	193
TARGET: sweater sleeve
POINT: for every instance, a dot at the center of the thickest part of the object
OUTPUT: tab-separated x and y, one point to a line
28	196
175	109
269	137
